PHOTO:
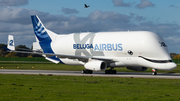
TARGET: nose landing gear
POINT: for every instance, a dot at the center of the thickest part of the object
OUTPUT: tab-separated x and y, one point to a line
154	72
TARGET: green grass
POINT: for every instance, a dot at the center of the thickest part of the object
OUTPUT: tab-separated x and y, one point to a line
67	88
31	59
39	66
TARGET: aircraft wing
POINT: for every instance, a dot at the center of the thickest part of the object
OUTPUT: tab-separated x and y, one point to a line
80	58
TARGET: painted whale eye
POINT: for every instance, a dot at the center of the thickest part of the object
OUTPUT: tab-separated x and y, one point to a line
130	52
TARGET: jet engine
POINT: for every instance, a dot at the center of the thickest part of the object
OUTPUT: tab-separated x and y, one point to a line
137	68
96	65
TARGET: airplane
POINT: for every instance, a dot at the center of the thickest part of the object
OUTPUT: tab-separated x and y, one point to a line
135	50
86	6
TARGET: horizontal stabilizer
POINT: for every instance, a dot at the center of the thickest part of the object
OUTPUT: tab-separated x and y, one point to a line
52	60
7	49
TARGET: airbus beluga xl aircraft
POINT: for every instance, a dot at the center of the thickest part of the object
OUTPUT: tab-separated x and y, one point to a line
136	50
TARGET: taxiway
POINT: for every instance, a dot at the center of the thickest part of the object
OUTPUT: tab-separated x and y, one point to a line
95	74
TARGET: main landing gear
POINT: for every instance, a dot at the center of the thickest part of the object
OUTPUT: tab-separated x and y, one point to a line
110	71
154	72
86	71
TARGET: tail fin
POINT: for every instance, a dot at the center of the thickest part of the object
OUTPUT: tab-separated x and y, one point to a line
10	42
44	36
39	29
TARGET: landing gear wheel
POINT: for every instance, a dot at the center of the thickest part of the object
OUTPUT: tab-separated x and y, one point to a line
114	71
154	73
90	72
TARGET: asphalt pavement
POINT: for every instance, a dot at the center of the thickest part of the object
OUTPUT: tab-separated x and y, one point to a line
95	74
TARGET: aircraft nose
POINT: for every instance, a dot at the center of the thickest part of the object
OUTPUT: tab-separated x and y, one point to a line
171	66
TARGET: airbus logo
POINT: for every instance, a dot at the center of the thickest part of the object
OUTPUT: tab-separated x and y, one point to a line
163	44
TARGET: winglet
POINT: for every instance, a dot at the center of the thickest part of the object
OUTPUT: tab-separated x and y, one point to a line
10	43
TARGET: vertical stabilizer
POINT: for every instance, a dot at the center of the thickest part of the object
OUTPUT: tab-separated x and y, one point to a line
43	35
10	42
39	29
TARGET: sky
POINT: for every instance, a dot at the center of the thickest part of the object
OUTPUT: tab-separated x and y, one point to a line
69	16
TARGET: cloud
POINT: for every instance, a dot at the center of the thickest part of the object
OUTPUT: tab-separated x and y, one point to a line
137	18
17	22
162	29
140	18
108	16
173	43
121	3
173	6
144	4
13	2
17	15
173	39
22	16
69	11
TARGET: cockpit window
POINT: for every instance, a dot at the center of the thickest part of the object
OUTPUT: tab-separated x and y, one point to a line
163	44
157	61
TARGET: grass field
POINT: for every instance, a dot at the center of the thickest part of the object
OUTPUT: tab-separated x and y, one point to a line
67	88
31	59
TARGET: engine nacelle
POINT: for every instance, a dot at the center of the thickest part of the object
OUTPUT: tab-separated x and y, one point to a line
137	68
96	65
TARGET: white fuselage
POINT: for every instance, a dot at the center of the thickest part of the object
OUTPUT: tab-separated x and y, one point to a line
133	49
